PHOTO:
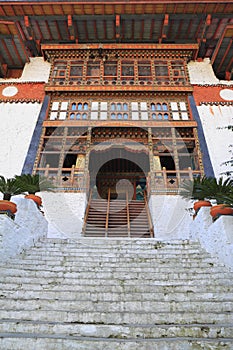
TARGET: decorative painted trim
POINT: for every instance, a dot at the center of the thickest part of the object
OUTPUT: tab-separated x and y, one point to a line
208	168
32	151
216	103
211	95
216	85
20	100
28	92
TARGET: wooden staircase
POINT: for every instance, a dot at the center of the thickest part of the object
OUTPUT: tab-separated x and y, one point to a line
117	218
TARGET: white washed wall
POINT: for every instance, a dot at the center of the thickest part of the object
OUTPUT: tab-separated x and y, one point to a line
17	123
215	237
215	118
29	225
202	73
171	216
35	70
65	213
219	138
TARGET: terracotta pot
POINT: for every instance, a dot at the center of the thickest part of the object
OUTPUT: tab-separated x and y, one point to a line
220	209
199	204
8	206
36	199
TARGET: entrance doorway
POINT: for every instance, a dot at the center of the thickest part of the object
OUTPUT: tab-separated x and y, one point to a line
119	170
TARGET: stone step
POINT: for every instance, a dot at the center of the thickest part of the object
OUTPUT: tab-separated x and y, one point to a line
85	294
102	274
104	261
155	250
79	268
121	287
38	342
115	294
119	243
108	258
95	250
192	254
123	280
132	263
118	331
135	307
117	317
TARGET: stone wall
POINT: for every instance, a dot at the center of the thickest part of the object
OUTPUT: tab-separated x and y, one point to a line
215	237
29	225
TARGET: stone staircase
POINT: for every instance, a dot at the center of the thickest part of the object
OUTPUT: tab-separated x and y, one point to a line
117	219
115	294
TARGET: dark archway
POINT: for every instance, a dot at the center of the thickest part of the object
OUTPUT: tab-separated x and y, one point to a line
118	169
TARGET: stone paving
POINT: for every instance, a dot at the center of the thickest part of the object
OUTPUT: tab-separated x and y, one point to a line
118	294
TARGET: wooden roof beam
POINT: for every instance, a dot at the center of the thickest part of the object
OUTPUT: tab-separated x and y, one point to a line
2	12
28	27
85	29
22	39
152	28
7	52
181	21
229	46
71	29
17	52
105	30
164	29
20	31
133	24
118	27
39	30
217	47
58	31
201	38
48	29
142	30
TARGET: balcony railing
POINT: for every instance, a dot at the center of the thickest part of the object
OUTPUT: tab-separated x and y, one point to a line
159	182
170	181
66	179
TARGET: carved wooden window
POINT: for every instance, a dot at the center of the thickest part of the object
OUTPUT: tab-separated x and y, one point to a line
127	70
110	70
93	70
79	111
144	71
178	72
76	71
59	71
159	111
179	111
119	111
161	72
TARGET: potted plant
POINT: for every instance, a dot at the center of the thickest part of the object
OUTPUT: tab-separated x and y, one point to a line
33	184
194	189
221	191
9	187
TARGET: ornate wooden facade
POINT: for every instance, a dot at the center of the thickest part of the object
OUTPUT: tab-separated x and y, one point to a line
119	113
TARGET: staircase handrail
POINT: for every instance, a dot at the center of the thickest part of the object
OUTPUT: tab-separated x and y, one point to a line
127	210
148	217
87	211
107	213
